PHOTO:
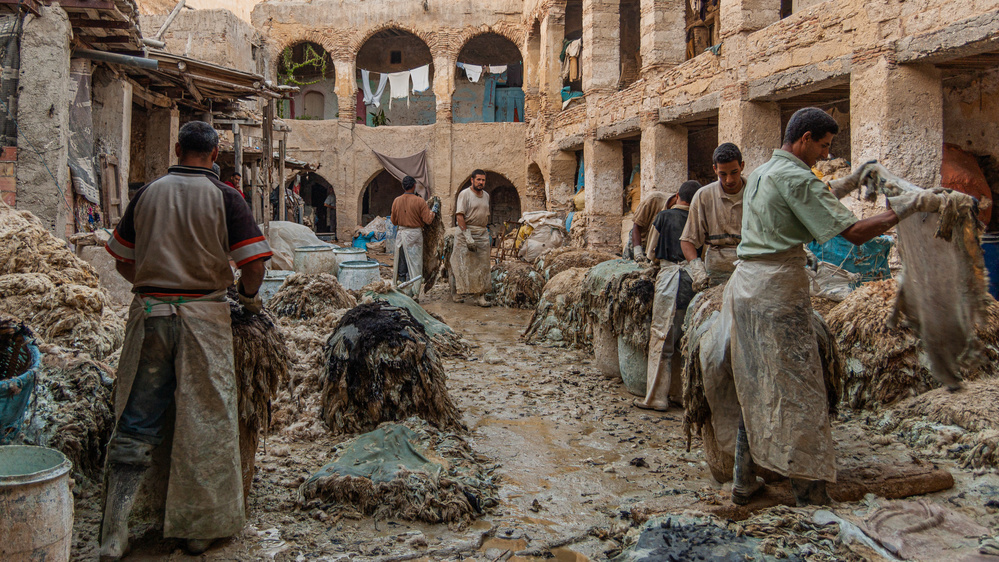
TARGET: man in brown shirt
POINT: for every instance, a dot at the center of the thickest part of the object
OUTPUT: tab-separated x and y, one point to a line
410	214
715	221
652	204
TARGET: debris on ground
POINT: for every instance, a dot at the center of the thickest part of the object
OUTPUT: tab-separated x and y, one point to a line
411	471
560	318
684	537
381	366
44	285
516	284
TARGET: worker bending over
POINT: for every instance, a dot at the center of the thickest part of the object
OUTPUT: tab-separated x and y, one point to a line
174	244
652	204
410	214
715	221
470	256
776	371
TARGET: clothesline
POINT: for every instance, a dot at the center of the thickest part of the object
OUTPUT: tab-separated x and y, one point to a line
474	71
398	84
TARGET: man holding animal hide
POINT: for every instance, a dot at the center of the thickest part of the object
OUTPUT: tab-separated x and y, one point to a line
470	256
174	244
715	221
781	422
410	213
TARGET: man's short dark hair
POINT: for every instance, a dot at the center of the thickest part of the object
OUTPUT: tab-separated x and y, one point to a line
688	189
198	137
408	183
236	175
809	120
478	173
725	153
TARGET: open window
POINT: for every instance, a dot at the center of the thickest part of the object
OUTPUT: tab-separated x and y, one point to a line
489	80
703	26
395	76
309	67
630	42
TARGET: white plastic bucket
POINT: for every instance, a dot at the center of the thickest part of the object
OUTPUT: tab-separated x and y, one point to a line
634	364
273	280
36	505
314	259
343	255
354	275
605	351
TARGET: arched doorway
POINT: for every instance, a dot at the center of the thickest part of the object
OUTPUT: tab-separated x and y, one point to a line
309	67
315	191
489	81
504	200
537	191
377	197
385	55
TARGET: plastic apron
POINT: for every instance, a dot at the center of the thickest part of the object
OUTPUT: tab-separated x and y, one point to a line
776	371
663	324
204	497
408	243
719	262
470	270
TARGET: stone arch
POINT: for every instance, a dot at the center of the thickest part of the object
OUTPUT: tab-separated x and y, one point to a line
395	49
376	198
312	79
357	42
307	36
515	34
483	97
504	198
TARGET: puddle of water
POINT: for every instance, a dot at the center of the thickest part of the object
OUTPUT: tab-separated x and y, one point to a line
512	545
560	554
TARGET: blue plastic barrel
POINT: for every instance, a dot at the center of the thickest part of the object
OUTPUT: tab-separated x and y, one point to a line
990	250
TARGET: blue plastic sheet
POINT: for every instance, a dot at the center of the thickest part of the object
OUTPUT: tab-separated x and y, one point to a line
870	259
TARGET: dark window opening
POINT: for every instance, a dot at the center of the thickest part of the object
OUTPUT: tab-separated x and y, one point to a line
786	7
395	57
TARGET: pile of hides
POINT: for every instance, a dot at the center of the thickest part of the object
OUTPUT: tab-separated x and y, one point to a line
971	416
789	532
695	538
560	318
309	296
434	249
411	471
621	292
883	365
381	366
44	285
446	341
832	169
561	259
516	285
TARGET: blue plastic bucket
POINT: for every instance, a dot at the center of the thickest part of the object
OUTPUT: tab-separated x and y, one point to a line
990	250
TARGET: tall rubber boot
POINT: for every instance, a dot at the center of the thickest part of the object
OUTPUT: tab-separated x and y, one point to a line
745	482
123	483
810	492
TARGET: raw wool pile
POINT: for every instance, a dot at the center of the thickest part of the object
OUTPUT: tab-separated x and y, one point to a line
452	485
381	366
446	341
833	169
823	305
787	532
43	284
560	318
309	296
883	365
973	413
434	249
516	285
621	292
561	259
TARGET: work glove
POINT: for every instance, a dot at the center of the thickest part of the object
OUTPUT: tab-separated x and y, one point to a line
912	202
469	242
844	186
436	208
698	275
638	253
252	303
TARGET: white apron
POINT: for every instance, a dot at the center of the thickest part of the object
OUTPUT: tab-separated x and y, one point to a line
204	497
470	270
408	242
661	330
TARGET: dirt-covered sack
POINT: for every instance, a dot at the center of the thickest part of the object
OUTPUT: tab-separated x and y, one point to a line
831	282
284	237
547	236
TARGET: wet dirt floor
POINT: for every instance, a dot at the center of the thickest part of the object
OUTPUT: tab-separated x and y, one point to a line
575	458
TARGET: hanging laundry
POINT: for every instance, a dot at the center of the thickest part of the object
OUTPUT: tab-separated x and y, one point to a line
473	71
497	69
421	78
570	66
375	98
398	86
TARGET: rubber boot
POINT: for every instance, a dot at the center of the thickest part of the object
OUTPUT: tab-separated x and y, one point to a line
123	483
810	492
195	547
658	383
745	482
481	301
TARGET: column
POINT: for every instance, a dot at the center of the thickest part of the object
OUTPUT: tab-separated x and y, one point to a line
753	126
161	137
664	157
747	16
443	86
896	116
664	36
561	181
346	92
43	119
601	58
112	113
604	181
552	36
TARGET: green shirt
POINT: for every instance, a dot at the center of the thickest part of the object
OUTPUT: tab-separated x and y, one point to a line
785	205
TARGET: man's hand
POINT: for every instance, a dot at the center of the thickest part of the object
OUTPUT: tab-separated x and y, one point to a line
638	253
436	208
252	303
910	203
844	186
469	241
698	275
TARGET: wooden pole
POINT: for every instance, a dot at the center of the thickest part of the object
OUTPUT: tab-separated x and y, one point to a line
237	153
268	163
258	211
282	205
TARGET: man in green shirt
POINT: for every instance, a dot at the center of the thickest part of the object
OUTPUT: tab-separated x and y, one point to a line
781	422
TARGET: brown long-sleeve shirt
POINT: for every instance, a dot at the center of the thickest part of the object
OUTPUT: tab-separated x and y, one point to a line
411	211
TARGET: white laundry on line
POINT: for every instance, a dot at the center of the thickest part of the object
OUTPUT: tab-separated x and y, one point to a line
473	71
421	78
500	69
398	86
375	98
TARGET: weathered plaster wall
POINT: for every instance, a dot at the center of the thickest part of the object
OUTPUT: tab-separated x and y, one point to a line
971	112
213	35
241	8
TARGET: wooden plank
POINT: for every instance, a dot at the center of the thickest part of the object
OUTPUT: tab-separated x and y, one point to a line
102	24
74	5
30	5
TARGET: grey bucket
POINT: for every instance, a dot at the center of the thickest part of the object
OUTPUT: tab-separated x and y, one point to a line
273	280
37	504
346	254
315	259
354	275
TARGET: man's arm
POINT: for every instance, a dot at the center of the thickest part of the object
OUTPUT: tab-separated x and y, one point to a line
689	251
460	217
252	276
636	236
126	270
867	229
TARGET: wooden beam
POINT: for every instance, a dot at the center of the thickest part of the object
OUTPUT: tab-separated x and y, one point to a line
268	161
193	89
72	5
282	153
103	24
30	5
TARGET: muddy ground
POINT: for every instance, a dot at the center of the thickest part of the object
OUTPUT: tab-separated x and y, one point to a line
576	461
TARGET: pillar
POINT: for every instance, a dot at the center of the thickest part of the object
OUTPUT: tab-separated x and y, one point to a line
664	35
112	113
604	181
346	93
753	126
601	58
161	137
43	119
664	157
443	86
896	117
561	181
747	16
550	68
